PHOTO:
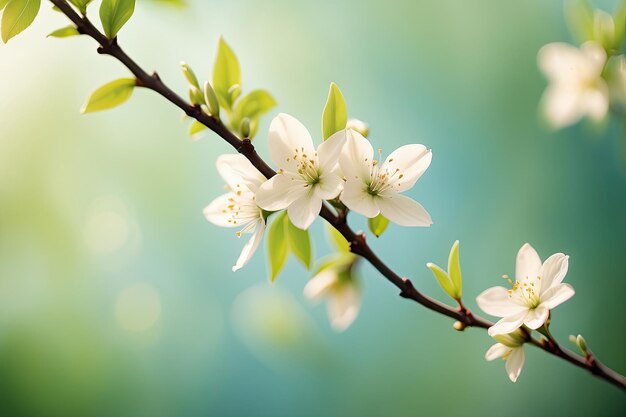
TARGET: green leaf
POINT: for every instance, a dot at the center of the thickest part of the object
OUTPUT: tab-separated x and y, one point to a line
619	17
114	14
81	5
195	128
3	3
299	242
338	240
226	76
18	15
579	17
335	114
378	224
255	104
110	95
64	32
277	245
443	279
454	270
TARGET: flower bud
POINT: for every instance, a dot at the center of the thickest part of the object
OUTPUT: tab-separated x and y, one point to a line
211	100
189	75
358	125
244	127
195	96
459	326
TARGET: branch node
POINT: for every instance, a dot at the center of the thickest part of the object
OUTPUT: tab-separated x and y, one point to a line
357	245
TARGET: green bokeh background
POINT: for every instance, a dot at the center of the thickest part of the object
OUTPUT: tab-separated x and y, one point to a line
116	295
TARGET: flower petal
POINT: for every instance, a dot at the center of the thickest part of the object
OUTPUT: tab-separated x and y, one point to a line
508	324
328	152
357	199
595	57
553	271
528	263
343	306
217	211
497	351
562	105
251	246
286	135
496	301
562	62
536	317
280	191
515	363
402	210
237	170
356	157
304	210
411	161
320	284
557	295
597	101
329	187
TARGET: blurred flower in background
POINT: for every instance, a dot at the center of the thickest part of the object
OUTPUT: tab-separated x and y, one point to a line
586	81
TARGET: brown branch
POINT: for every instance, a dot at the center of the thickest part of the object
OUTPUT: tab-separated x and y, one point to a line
358	245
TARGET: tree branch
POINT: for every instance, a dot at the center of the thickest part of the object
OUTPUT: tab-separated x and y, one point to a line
358	244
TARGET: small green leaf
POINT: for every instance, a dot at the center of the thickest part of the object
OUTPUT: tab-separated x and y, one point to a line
378	224
338	240
443	279
619	17
17	16
3	3
64	32
299	242
454	270
579	17
335	114
253	105
110	95
195	128
277	245
81	5
114	14
226	75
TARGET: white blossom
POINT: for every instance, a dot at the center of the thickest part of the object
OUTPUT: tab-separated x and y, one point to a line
305	176
576	88
373	187
339	287
238	207
510	348
538	288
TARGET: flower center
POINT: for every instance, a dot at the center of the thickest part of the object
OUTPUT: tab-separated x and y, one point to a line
526	290
307	167
242	210
383	178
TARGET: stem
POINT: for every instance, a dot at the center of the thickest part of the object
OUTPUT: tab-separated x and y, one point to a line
358	245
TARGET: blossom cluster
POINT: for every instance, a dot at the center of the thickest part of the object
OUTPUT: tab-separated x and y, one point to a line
343	169
585	81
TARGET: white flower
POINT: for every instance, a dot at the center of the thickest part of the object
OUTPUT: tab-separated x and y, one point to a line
536	291
337	284
305	176
372	188
511	349
576	87
238	207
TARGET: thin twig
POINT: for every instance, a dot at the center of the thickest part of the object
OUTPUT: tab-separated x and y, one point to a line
358	244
